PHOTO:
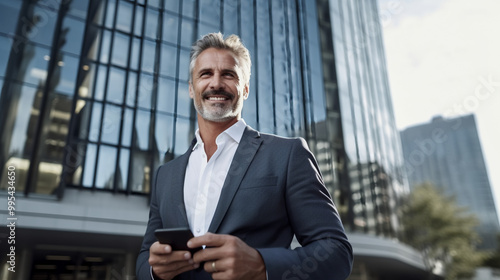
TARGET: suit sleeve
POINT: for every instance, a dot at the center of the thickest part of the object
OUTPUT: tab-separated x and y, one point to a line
143	269
326	252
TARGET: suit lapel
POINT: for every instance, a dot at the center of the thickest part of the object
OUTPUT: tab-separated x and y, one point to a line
248	146
176	197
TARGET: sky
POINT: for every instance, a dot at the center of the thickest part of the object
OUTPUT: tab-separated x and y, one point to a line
443	59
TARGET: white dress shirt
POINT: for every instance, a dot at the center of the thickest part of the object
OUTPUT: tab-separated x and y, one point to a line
204	179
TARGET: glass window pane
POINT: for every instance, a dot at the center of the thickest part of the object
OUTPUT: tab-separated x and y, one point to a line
67	68
168	61
116	85
124	16
5	45
72	35
232	17
188	8
111	124
105	44
165	101
120	49
163	136
184	102
148	56
182	136
141	172
95	122
106	167
212	18
145	91
128	123
155	3
36	66
187	34
142	129
9	12
110	13
78	8
88	171
51	150
184	65
19	127
151	24
170	27
101	81
40	27
136	53
131	88
172	5
139	16
123	171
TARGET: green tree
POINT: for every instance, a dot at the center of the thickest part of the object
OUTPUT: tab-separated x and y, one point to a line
442	231
493	260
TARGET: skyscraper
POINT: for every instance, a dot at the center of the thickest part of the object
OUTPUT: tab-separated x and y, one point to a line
447	153
95	97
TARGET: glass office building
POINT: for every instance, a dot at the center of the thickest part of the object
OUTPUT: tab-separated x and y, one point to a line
446	152
94	97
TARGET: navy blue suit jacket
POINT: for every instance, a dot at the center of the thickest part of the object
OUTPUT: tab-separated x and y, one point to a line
273	191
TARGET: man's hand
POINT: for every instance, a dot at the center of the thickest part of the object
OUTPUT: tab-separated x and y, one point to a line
228	257
167	264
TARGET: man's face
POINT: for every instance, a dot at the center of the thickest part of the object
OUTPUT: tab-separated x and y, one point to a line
216	86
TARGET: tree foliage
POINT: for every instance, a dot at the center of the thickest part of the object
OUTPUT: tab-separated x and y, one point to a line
442	231
493	260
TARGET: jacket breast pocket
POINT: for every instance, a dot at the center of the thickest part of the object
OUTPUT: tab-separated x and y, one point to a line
260	182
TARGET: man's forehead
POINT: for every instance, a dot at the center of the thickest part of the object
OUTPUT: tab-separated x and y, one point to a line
216	56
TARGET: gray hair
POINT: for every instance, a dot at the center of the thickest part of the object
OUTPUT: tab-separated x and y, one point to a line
231	43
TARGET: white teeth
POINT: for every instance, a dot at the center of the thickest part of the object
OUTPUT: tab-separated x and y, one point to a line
216	98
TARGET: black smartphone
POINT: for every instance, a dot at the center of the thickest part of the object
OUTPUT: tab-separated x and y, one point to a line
176	237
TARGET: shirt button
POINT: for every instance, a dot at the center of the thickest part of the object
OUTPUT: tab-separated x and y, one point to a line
198	230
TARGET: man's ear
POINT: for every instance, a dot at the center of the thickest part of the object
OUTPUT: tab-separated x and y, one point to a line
191	90
245	92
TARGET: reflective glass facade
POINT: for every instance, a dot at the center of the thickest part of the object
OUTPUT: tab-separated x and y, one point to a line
360	117
94	94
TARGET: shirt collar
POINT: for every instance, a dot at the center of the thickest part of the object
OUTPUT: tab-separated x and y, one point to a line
235	132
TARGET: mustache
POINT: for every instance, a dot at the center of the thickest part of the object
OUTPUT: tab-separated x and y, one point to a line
223	93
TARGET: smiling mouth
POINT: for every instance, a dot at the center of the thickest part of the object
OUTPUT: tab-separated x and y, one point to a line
217	96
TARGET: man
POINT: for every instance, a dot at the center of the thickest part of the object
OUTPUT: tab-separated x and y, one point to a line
244	194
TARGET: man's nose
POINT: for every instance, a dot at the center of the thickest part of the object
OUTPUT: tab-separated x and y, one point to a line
216	82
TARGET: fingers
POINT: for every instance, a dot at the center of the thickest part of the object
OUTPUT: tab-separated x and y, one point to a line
218	246
160	249
209	240
166	263
228	257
